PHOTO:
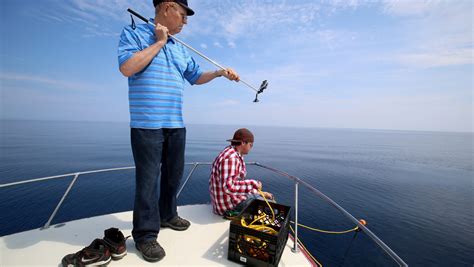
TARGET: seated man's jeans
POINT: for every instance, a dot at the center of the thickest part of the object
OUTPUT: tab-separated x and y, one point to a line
155	152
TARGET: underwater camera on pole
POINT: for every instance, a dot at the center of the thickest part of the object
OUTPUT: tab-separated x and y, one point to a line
263	86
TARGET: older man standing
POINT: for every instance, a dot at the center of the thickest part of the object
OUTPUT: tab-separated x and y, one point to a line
157	68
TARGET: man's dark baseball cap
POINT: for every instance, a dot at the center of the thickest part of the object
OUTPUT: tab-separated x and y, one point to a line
242	135
183	3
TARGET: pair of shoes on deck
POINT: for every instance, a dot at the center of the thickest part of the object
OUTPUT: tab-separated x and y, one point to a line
100	252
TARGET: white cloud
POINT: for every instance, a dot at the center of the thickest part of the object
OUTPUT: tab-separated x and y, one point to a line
409	7
286	82
233	20
441	58
217	44
231	44
258	17
60	84
97	17
439	112
109	9
204	46
48	17
332	38
227	103
241	22
439	33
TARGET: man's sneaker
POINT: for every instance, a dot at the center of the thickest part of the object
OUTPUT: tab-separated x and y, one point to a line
151	250
115	241
177	223
96	254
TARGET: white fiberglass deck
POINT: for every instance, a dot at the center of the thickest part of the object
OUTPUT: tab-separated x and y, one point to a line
205	243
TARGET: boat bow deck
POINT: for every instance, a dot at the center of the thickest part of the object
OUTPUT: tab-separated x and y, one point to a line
205	243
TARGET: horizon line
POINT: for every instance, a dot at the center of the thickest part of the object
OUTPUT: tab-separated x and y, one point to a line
253	125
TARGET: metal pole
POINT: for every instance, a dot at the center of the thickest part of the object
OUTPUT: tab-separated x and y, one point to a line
62	176
204	56
190	47
46	226
187	178
295	247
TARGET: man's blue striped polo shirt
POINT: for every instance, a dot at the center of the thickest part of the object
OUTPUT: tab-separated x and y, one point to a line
156	93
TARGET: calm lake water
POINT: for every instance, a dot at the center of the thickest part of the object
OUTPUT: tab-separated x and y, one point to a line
415	189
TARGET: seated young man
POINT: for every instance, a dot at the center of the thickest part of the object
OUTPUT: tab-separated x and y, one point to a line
227	184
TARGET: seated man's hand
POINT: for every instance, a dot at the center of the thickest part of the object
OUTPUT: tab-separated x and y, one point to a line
268	195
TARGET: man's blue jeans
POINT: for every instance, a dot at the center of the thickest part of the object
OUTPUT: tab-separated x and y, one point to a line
156	151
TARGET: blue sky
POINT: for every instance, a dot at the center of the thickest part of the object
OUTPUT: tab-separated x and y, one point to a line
405	65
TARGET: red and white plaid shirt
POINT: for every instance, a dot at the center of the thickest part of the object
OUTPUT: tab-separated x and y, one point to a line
227	183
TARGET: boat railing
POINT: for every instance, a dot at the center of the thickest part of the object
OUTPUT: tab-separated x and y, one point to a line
297	181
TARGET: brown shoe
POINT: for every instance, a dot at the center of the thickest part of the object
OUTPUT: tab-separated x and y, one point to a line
177	223
115	241
151	250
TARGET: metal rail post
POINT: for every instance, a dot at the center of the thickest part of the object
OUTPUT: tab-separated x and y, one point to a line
295	247
187	178
48	223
